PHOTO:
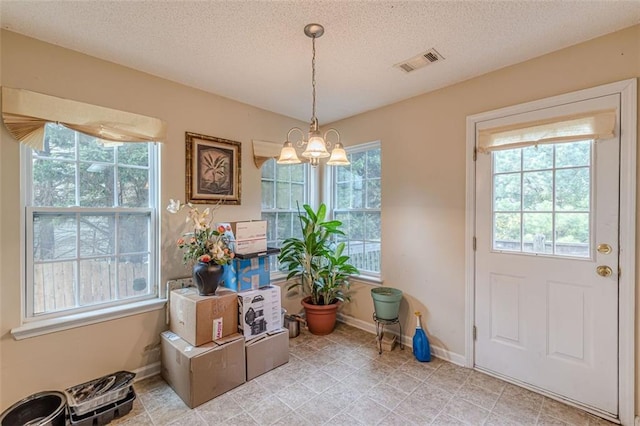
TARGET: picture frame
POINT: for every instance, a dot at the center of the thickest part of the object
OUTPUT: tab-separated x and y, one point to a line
213	170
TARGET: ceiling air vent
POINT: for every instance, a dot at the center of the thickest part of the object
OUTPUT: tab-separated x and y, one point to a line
419	61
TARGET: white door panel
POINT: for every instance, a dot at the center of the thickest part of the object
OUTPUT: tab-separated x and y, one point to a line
544	316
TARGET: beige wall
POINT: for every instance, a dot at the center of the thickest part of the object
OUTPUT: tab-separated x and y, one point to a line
423	174
58	360
423	149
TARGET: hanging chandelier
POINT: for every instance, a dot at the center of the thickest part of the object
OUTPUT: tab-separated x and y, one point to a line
317	145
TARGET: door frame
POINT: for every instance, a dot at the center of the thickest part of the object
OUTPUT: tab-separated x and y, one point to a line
627	231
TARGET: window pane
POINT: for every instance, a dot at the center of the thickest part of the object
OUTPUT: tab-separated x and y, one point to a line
373	163
97	281
573	189
573	154
343	195
506	161
97	235
355	250
372	257
373	225
59	142
506	231
133	276
271	230
283	193
267	194
53	286
133	154
537	188
283	226
96	185
537	157
343	217
506	192
54	183
374	199
283	173
54	236
269	169
93	149
358	164
297	195
356	226
133	233
297	173
343	174
133	187
538	233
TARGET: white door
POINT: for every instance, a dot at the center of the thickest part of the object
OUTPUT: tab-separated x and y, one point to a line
546	313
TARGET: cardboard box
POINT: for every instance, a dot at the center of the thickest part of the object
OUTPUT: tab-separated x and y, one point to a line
253	230
199	374
251	246
266	353
202	319
253	273
259	311
250	237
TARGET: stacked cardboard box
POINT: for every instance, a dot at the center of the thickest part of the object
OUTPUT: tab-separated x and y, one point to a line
260	311
198	374
267	352
203	319
203	354
250	237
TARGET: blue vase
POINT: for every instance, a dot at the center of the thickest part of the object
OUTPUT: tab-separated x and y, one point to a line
206	277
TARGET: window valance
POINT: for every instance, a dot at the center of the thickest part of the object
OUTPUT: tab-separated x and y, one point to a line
25	114
591	125
263	151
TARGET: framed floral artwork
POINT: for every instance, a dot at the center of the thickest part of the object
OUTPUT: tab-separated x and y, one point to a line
212	170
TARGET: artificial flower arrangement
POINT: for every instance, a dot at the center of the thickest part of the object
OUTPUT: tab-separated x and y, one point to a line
205	244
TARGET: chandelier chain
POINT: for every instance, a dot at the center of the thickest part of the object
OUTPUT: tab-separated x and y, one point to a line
313	79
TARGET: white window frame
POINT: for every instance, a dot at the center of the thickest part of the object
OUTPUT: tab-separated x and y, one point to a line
330	197
46	323
311	194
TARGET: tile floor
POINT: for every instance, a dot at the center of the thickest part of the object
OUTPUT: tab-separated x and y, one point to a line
341	380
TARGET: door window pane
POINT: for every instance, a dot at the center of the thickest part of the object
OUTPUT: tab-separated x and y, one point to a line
537	232
507	196
537	191
555	188
506	231
572	189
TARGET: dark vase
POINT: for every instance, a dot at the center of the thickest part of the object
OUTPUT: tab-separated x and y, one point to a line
206	277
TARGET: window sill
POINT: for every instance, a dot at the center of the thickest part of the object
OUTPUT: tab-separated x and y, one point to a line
367	279
38	328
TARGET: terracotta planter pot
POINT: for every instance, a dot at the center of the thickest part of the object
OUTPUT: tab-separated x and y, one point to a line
321	319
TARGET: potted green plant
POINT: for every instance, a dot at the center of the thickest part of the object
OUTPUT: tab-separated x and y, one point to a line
321	268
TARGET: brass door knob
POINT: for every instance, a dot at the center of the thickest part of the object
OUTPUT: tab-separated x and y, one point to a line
604	271
604	248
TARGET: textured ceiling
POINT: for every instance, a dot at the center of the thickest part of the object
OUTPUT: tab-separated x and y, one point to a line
256	52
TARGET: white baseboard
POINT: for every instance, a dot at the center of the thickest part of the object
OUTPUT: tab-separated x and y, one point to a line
406	340
147	371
